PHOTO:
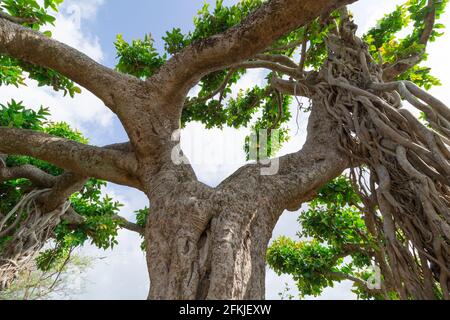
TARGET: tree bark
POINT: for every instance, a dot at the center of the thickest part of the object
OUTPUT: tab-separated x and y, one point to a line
206	243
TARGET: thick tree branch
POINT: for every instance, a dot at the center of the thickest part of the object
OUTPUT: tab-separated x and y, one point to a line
359	282
157	106
74	219
67	184
253	35
303	53
89	161
430	20
61	186
273	62
291	45
34	47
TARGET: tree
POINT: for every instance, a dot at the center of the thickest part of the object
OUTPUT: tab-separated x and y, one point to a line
210	243
60	280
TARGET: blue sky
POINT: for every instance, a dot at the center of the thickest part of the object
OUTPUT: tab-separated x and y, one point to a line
91	26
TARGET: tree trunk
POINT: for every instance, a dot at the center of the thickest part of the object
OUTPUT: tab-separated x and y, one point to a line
201	248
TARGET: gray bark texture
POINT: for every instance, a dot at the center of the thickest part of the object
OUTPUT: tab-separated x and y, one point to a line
213	246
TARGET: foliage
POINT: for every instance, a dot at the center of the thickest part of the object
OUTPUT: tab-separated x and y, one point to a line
141	59
31	10
98	210
337	245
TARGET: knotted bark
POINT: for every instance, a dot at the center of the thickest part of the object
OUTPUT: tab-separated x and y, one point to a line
404	163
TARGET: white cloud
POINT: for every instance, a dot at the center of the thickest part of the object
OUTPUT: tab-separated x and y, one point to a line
118	273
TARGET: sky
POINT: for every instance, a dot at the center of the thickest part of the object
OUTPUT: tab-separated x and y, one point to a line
91	26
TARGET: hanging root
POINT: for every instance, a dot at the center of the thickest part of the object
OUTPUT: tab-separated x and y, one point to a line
407	162
32	228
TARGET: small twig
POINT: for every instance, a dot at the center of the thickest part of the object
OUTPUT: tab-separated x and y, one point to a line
18	20
220	90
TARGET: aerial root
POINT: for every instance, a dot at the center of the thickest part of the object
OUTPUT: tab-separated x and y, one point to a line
30	230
